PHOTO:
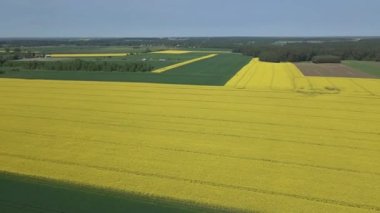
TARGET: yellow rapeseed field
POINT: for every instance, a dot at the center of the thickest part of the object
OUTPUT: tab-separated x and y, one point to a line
83	55
264	75
260	75
211	51
338	85
170	67
172	52
191	51
265	151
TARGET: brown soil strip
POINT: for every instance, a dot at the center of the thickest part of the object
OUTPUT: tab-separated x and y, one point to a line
330	70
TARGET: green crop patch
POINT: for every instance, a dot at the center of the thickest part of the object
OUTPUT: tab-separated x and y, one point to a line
223	65
214	71
369	67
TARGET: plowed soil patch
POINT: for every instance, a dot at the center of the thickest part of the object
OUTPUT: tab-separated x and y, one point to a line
331	70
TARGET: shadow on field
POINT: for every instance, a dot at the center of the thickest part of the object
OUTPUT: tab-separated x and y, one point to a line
31	194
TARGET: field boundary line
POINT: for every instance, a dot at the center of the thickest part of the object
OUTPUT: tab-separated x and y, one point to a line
250	74
236	79
164	69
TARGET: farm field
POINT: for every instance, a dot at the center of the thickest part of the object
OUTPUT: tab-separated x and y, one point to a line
338	85
259	75
203	145
370	67
156	60
210	51
172	52
86	55
212	71
264	75
331	70
216	70
87	49
181	64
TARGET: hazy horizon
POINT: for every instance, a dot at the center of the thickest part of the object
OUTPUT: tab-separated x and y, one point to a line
185	18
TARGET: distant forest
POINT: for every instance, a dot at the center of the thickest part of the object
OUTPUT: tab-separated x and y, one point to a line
267	48
363	50
77	65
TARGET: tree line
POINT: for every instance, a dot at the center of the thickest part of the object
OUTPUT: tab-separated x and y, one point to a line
267	48
77	65
368	50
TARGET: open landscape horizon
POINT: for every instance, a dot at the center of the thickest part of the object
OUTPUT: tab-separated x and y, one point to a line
152	106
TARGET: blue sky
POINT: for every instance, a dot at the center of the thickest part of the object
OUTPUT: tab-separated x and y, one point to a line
160	18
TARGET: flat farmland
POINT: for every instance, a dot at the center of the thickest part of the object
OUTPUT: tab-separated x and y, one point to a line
199	145
265	75
216	70
360	86
184	63
159	60
87	49
331	70
209	51
172	52
370	67
86	55
209	71
155	60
